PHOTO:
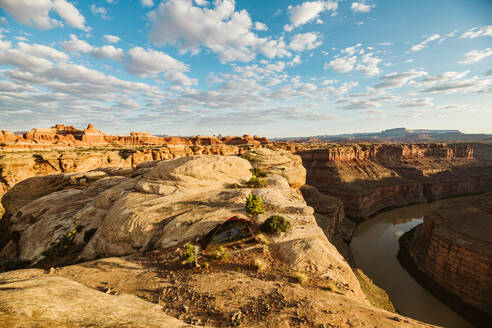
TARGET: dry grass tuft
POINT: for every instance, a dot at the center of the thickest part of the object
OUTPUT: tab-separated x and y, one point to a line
300	277
260	265
262	239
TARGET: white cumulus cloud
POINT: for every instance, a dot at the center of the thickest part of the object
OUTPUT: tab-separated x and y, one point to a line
39	13
220	28
477	32
147	3
306	41
99	11
361	7
424	43
308	11
112	38
475	56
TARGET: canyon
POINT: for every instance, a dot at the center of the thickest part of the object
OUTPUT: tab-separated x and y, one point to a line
373	177
129	225
139	197
450	253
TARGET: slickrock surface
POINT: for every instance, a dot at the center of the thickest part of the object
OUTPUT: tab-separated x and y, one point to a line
451	254
150	212
31	298
16	166
369	178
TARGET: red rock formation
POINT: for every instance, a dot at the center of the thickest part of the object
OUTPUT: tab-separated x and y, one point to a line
451	254
369	178
6	136
61	135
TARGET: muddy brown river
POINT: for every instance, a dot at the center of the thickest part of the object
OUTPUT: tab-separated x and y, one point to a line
375	246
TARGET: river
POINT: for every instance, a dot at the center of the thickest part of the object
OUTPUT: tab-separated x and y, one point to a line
375	246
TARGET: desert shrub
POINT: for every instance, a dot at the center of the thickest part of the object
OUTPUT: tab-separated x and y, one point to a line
257	172
247	157
234	186
62	244
254	204
219	253
260	265
275	224
189	254
262	239
300	277
255	182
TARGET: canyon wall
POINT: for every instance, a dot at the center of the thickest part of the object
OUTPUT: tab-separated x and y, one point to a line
20	165
369	178
451	255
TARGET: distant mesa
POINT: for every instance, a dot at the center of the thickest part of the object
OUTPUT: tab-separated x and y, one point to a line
394	135
68	135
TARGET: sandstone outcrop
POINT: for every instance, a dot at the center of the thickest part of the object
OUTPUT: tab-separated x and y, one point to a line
163	204
145	213
104	292
369	178
451	254
68	136
31	298
18	166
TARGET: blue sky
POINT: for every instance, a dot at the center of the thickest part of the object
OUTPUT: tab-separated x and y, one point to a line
272	68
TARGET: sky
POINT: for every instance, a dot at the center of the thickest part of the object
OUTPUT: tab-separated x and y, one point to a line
271	68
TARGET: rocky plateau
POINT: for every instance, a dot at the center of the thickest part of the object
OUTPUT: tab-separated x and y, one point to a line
130	225
132	202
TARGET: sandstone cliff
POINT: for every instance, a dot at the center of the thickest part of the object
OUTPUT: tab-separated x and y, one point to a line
16	166
145	214
369	178
451	254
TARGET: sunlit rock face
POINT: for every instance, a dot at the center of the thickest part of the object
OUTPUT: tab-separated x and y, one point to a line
369	178
451	254
161	204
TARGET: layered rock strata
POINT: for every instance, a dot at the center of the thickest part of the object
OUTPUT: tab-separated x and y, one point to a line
451	254
369	178
145	214
67	136
18	166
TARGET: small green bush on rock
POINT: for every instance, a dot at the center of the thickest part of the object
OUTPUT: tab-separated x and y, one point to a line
189	254
219	253
247	157
259	173
254	182
254	204
275	224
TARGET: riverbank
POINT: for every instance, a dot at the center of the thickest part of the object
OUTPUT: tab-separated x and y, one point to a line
375	246
450	254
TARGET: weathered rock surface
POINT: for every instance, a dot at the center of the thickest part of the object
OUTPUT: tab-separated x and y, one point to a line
18	166
104	292
163	204
281	163
451	254
369	178
31	298
151	210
